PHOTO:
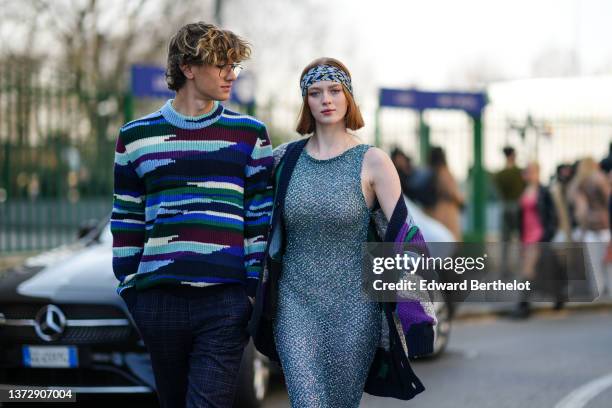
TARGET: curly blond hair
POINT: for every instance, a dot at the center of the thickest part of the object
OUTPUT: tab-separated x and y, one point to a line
201	43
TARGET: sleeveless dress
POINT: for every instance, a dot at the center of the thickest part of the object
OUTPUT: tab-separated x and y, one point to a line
326	330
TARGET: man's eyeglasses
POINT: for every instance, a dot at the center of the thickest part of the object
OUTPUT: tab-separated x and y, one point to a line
225	69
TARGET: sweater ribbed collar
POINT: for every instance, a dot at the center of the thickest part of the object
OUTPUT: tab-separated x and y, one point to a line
191	122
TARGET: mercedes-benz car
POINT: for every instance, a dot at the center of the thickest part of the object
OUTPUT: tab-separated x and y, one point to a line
62	324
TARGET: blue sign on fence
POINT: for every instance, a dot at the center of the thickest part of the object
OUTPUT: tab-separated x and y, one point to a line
149	81
470	102
243	89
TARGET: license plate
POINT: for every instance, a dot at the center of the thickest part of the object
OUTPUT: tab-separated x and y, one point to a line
50	356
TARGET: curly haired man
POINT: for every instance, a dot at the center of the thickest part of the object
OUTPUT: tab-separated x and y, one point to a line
190	213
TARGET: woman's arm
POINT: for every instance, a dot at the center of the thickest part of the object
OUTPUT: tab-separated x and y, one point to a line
380	181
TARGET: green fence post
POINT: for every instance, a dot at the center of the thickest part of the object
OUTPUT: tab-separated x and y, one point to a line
128	107
251	109
6	179
478	185
424	144
7	169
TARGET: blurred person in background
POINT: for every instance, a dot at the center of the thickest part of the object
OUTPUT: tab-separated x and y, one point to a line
589	192
509	183
558	189
538	223
449	200
418	184
606	167
403	165
606	163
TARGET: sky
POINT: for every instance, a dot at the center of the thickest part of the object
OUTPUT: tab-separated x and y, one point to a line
425	42
432	44
442	44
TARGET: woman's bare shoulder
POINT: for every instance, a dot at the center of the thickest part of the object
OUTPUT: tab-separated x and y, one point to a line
376	159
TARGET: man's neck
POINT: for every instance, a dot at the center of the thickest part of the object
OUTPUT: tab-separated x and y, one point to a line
188	104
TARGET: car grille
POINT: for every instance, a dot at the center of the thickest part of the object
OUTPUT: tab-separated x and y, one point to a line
72	335
97	331
72	311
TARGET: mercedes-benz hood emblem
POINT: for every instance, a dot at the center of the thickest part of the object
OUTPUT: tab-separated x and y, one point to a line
50	323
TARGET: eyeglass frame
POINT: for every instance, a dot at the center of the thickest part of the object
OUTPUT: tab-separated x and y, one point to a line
235	67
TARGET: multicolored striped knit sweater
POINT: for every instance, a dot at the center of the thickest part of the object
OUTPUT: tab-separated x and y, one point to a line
192	201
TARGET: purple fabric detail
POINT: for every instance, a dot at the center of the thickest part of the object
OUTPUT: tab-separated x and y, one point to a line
411	312
399	239
402	234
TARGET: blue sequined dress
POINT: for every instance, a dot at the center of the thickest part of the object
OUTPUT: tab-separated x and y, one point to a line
326	330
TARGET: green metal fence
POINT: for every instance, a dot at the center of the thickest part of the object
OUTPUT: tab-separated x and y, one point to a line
57	140
550	138
55	159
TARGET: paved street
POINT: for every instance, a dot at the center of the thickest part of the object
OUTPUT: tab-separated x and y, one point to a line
503	363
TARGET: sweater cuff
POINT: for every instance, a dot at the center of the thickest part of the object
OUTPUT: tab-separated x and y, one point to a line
420	340
251	286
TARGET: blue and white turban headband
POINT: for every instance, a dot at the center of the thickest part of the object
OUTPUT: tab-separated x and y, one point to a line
325	73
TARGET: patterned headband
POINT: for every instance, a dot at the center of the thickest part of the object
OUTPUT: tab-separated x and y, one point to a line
325	73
